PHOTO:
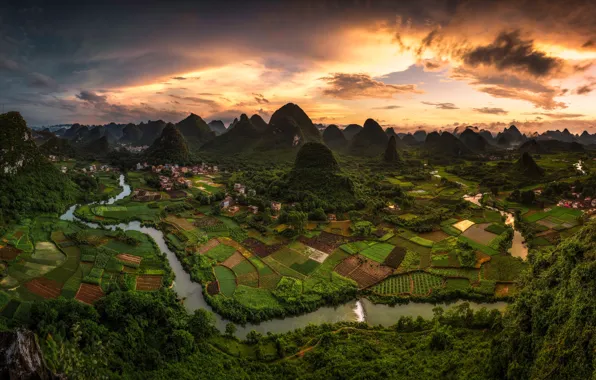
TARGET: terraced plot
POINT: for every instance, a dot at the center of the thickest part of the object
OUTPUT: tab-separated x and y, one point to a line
395	285
147	282
88	293
226	279
425	282
44	287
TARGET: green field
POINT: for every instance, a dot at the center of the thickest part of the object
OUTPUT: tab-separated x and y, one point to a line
378	252
563	213
425	282
400	284
220	252
226	279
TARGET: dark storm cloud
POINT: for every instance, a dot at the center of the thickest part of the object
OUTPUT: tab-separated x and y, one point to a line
355	86
41	81
491	110
510	51
91	97
7	64
442	106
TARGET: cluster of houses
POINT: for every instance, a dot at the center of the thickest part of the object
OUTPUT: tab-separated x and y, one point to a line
176	169
98	168
229	204
579	203
169	183
135	149
177	178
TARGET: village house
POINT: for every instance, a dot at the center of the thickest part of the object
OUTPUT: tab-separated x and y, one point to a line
64	169
239	188
391	208
331	217
227	202
233	210
53	158
275	206
253	209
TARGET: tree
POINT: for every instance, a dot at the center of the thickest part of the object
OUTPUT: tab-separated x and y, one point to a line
363	228
253	337
318	214
297	220
230	330
514	196
215	209
528	197
202	324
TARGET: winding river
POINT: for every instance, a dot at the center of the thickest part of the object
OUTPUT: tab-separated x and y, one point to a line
361	310
518	245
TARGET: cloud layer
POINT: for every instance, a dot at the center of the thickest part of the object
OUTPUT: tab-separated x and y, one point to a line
341	60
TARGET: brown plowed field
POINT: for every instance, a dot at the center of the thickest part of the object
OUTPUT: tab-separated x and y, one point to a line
89	293
9	253
348	265
44	287
233	260
148	282
325	242
207	246
213	288
259	248
363	278
129	258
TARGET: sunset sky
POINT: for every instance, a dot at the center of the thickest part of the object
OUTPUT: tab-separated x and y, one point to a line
424	64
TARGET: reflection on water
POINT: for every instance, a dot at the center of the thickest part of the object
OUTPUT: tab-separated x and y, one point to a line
191	293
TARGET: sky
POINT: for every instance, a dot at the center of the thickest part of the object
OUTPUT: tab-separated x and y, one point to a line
426	64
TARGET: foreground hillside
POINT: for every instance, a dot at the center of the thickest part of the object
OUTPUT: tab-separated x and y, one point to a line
548	332
29	183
